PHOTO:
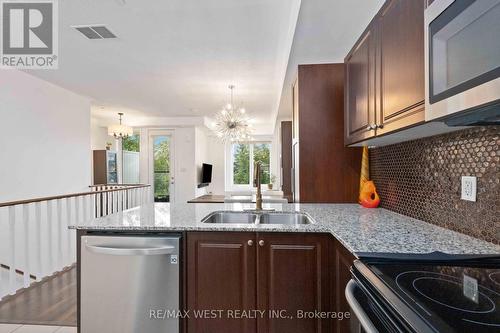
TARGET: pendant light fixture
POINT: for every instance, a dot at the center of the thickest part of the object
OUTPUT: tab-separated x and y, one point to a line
232	124
120	131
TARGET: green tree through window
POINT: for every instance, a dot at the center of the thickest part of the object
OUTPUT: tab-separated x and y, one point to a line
131	143
261	153
161	152
241	165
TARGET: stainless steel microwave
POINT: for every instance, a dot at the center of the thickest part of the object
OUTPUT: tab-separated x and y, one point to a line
462	57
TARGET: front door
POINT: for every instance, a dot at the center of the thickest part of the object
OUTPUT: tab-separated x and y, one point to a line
161	165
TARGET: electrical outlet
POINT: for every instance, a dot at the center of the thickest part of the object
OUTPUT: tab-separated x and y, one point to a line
469	184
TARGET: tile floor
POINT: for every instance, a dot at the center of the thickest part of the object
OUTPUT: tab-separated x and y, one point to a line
14	328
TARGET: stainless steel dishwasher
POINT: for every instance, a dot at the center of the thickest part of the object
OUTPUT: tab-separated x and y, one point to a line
129	284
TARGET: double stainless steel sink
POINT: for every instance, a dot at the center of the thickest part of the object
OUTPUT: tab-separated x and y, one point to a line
257	217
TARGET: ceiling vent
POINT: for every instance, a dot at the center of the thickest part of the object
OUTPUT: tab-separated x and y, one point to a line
95	31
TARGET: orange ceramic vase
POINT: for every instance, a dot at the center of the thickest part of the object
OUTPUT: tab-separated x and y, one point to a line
368	196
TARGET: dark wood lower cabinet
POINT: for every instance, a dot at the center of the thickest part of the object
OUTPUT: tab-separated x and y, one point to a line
220	276
343	260
287	276
292	276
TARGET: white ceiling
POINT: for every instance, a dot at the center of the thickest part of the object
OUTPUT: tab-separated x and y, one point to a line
326	31
177	57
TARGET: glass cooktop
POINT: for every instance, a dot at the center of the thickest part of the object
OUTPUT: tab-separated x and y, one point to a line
463	298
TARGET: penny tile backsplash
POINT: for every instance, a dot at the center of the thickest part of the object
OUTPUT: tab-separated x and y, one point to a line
422	179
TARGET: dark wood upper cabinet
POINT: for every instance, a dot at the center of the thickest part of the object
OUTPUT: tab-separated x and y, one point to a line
293	275
401	65
360	88
385	73
221	276
328	172
286	159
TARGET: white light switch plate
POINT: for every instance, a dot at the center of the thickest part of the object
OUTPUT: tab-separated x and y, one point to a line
469	188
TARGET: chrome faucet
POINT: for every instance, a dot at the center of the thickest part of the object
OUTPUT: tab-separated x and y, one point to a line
256	181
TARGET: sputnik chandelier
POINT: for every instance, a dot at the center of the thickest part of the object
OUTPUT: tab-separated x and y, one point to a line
232	124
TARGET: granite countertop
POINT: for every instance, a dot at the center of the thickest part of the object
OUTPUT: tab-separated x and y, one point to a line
358	229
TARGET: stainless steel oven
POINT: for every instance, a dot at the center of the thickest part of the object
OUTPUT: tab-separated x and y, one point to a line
462	41
424	293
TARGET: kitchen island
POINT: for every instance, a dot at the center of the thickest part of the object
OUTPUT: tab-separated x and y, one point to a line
250	277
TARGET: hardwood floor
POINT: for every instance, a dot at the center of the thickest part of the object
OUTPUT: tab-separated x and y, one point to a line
15	328
51	302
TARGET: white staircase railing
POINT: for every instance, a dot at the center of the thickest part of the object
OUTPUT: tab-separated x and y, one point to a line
35	241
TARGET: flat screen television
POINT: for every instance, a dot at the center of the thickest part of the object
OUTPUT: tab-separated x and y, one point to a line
206	173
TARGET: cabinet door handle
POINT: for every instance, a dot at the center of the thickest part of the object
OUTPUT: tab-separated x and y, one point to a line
261	243
380	126
371	127
250	242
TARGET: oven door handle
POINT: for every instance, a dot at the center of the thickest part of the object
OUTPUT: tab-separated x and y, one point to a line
357	309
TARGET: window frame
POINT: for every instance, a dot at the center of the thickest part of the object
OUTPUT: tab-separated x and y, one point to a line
229	174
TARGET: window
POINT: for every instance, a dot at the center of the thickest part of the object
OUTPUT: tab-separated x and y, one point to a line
131	143
243	157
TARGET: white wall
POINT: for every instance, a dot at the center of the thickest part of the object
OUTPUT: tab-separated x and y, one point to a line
44	138
44	149
209	150
200	157
99	136
185	166
216	158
